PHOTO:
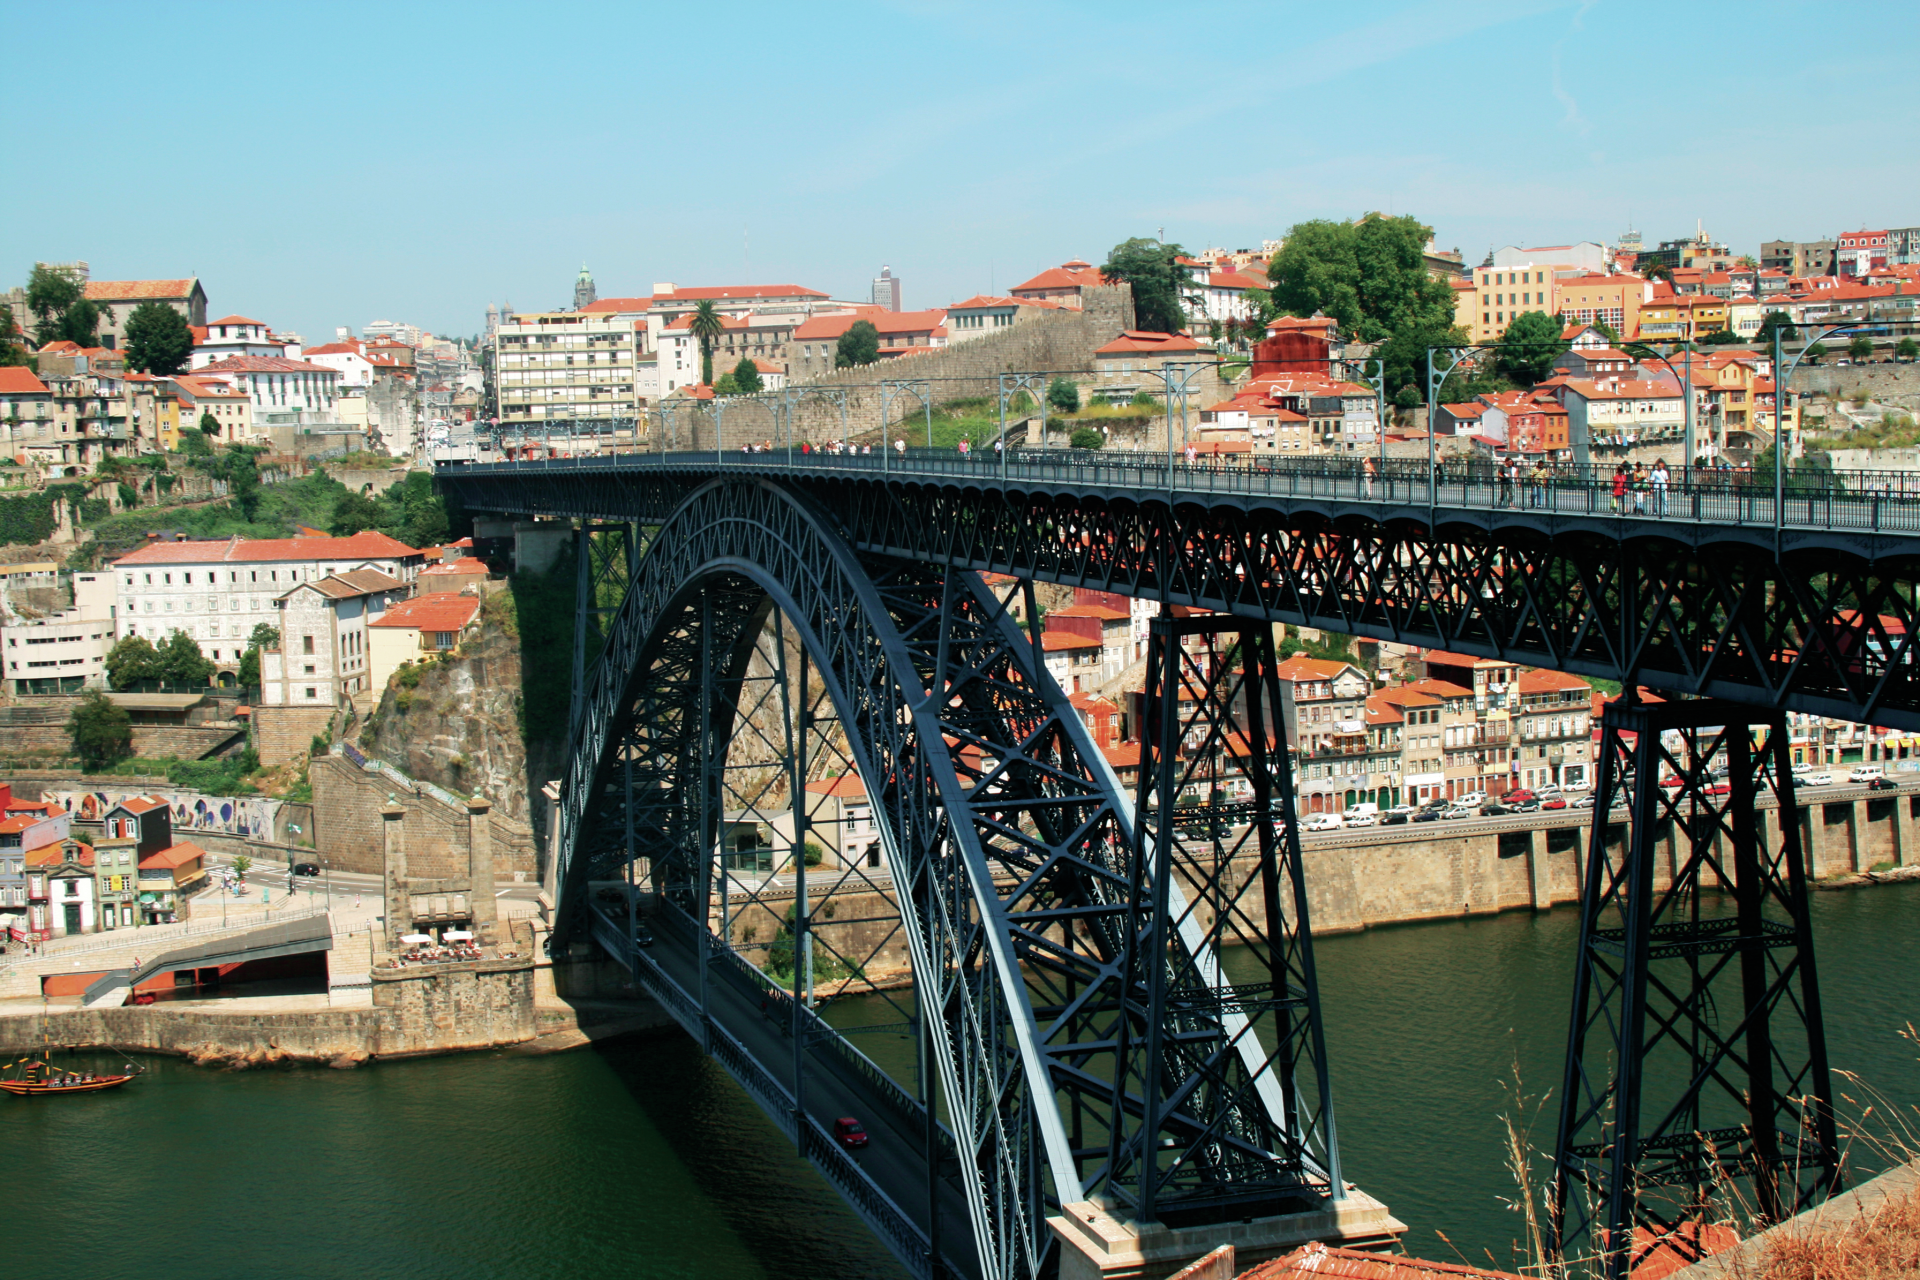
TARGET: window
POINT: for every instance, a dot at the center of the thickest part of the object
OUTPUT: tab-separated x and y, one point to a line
306	644
310	691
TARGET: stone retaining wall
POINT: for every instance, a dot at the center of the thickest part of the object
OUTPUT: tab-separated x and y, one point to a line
416	1011
346	823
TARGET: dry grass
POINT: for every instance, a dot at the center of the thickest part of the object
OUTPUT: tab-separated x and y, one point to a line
1882	1244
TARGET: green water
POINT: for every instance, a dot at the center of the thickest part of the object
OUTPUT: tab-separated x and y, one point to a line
643	1160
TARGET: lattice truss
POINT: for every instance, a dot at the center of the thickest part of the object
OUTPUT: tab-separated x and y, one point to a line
1822	631
1696	1079
1007	849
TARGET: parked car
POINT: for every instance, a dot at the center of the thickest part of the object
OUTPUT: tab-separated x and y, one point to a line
306	868
1456	812
1396	817
1802	769
1518	796
1720	788
1355	812
848	1133
1554	802
1362	820
1494	809
1822	779
1472	800
1529	805
1673	780
1582	802
1323	822
1404	810
1428	815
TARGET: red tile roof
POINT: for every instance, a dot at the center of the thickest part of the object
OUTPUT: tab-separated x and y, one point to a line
18	380
1301	667
1543	681
51	855
889	323
1090	611
722	292
368	545
1141	341
845	787
435	611
172	856
137	290
1316	1261
465	564
265	364
1070	275
236	320
141	804
605	306
1052	640
981	302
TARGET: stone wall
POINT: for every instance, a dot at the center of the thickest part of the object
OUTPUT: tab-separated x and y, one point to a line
438	1009
1057	340
346	823
282	733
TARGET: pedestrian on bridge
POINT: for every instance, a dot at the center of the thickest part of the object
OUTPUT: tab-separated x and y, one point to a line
900	447
1639	489
1537	483
1367	473
1506	482
1618	499
1658	478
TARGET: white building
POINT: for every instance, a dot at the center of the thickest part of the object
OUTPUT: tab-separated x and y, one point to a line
217	592
324	656
564	365
232	336
348	358
67	651
274	382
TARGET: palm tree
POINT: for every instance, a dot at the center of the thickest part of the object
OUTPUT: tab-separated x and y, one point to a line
706	328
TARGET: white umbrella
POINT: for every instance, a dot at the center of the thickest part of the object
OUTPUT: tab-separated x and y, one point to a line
457	935
416	939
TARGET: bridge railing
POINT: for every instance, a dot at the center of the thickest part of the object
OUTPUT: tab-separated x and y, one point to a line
1886	501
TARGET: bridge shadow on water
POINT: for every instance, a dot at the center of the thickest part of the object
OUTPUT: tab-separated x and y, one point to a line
784	1213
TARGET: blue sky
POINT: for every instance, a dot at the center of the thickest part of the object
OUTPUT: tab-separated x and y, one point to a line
330	165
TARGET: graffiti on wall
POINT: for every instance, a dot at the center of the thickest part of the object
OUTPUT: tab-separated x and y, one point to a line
252	817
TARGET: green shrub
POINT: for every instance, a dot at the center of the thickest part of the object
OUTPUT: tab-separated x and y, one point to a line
1087	438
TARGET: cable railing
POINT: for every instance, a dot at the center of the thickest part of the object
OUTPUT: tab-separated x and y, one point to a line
1860	500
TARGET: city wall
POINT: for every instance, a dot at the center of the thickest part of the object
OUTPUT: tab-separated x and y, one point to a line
1057	340
416	1011
1400	875
346	813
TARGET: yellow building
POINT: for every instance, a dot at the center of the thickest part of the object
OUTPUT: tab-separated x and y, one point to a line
1597	299
1681	318
1502	294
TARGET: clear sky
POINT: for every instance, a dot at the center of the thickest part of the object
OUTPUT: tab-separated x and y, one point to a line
330	165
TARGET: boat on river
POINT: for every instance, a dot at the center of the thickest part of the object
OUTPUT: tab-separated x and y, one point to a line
42	1077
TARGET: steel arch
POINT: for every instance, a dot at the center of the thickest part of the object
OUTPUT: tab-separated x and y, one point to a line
1008	840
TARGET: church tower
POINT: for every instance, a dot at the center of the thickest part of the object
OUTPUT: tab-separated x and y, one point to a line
583	291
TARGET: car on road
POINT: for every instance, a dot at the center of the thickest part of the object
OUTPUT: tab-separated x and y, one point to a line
1404	810
1720	788
1518	795
1583	802
1819	779
1802	769
642	936
1866	773
1324	822
1428	815
1554	802
1361	820
1494	809
848	1133
306	868
1396	817
1882	784
1673	780
1471	800
1457	812
1529	805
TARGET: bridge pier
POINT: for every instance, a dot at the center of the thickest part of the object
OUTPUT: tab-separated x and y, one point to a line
1095	1244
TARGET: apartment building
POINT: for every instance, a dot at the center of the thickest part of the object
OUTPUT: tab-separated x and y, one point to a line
1612	300
981	315
813	343
562	365
67	651
1552	734
324	657
1323	711
218	591
117	299
840	820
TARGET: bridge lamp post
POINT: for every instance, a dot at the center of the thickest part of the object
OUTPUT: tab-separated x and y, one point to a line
1781	374
1176	379
1378	381
1684	375
1011	384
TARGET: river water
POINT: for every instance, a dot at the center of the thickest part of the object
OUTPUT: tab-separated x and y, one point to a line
643	1160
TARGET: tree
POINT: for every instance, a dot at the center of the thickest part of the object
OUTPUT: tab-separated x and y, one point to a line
706	327
1531	345
13	348
352	513
1771	321
243	481
1721	338
724	385
181	662
130	661
1906	350
860	344
1747	262
1157	279
1817	352
746	376
1086	438
209	425
1608	332
1063	395
264	636
59	301
1657	271
101	732
1370	276
249	674
158	340
1860	348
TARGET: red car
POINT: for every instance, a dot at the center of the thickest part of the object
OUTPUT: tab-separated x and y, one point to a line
1721	788
1517	797
848	1133
1555	802
1674	780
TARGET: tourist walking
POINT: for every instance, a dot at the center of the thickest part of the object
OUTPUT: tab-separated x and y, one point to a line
1639	489
1658	478
1367	472
1505	471
1617	501
1537	483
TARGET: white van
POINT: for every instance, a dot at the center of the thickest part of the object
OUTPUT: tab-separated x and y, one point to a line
1364	814
1324	822
1866	773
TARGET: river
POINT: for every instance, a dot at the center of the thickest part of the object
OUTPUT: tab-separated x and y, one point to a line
643	1160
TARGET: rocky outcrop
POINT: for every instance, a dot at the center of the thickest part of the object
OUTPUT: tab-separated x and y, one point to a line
459	725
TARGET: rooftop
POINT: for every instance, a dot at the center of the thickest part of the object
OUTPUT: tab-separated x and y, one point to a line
436	611
368	544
